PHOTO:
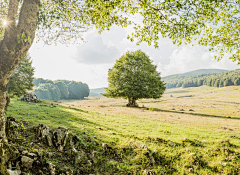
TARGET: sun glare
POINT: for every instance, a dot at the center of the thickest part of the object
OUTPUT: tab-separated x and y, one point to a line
4	22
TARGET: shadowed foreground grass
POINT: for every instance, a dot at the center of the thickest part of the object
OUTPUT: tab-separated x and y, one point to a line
140	145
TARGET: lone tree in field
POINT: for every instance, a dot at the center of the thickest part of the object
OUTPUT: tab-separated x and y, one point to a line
134	77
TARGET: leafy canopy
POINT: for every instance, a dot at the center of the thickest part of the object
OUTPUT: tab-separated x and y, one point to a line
48	91
216	22
63	89
21	79
78	90
134	76
68	89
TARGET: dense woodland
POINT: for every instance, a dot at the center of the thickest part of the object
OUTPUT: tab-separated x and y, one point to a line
60	89
223	79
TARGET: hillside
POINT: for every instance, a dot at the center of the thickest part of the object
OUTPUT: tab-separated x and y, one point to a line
163	137
97	91
196	72
203	71
226	78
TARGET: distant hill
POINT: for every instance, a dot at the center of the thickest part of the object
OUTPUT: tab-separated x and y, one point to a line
97	91
219	78
198	72
203	71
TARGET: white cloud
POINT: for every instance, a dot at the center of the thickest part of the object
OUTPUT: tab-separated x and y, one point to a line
96	52
190	58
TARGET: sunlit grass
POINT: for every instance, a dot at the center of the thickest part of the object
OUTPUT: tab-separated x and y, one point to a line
183	143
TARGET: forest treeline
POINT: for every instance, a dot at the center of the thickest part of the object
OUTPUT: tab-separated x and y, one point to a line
223	79
60	89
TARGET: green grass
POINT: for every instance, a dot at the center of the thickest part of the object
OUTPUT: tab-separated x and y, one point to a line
176	149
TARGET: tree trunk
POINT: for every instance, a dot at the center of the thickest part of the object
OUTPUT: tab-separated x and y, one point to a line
12	51
132	102
3	140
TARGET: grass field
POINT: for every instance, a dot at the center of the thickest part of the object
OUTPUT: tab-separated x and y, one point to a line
203	141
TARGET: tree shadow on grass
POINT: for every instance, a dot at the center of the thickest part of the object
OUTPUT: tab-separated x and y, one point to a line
60	116
189	113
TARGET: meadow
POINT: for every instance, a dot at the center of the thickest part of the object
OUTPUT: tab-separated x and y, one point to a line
162	136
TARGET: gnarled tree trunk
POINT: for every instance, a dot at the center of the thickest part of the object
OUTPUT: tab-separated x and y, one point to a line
132	102
13	48
3	140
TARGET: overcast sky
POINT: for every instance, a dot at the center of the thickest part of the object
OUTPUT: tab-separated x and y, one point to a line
89	62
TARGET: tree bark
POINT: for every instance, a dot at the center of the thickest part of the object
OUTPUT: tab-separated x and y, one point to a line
18	38
3	140
132	102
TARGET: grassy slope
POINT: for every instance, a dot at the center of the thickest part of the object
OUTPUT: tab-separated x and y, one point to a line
176	148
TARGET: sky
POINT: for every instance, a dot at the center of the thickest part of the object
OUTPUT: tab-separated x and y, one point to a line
89	61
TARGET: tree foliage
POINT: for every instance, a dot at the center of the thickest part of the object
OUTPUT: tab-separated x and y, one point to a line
48	91
215	21
21	79
68	89
63	89
134	77
78	90
228	78
38	81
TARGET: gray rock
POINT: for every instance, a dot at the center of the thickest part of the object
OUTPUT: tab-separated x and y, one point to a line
66	170
32	154
73	140
17	166
105	147
190	170
51	168
149	172
151	158
11	121
93	155
42	130
60	136
14	172
80	156
172	144
27	162
60	148
74	150
191	110
50	154
30	97
49	140
40	172
89	162
143	147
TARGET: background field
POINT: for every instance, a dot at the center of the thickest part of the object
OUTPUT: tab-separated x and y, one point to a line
217	108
